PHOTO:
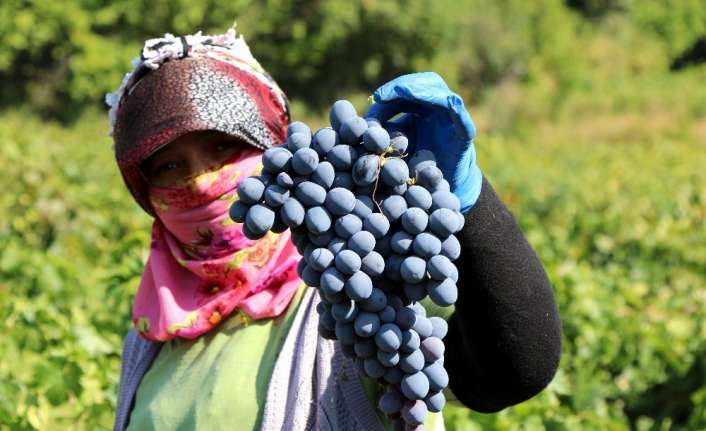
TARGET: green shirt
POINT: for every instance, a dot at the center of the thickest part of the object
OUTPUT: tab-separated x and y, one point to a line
220	380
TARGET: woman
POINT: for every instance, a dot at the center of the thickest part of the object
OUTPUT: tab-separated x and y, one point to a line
225	333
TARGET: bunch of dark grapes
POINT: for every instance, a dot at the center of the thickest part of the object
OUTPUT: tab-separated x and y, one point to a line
375	227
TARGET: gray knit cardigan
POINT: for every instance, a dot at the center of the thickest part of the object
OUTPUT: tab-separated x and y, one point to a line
313	385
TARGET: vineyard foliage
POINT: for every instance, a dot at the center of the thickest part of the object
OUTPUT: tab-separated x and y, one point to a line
586	130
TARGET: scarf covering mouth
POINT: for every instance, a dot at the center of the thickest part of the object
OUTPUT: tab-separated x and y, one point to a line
201	267
192	83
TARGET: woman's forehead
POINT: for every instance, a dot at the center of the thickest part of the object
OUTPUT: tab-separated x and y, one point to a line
199	136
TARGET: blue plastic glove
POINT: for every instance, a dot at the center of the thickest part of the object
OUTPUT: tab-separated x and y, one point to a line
435	120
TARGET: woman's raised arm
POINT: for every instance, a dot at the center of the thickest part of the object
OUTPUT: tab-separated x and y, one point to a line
504	338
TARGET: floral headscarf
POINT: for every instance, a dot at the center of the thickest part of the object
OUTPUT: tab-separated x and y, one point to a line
191	83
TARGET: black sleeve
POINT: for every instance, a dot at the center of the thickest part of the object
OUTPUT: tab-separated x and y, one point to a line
504	338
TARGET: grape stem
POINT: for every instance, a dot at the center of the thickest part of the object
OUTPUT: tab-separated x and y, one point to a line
383	158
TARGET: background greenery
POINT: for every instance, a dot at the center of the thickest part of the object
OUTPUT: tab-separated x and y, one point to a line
592	127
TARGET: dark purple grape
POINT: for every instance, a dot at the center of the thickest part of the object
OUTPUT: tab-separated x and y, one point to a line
305	161
415	291
388	337
340	201
347	225
324	175
412	362
414	412
284	180
401	242
376	302
399	143
362	242
373	367
410	341
251	190
298	127
342	157
418	197
415	220
336	245
426	245
238	211
391	401
439	327
373	264
320	259
377	224
366	324
394	172
451	248
310	194
348	262
275	195
345	311
422	325
310	276
345	333
393	375
352	130
365	170
429	177
365	347
433	349
406	317
298	141
317	220
276	160
413	269
414	386
323	140
440	267
341	111
259	219
292	212
445	199
387	315
332	281
435	401
359	286
388	359
393	207
376	140
443	293
437	376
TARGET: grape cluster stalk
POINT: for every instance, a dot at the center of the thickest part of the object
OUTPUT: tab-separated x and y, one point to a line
375	227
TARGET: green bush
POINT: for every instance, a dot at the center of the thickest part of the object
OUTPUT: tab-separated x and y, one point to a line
72	243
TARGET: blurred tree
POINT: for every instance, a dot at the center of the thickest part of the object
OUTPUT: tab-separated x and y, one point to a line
597	8
59	56
678	25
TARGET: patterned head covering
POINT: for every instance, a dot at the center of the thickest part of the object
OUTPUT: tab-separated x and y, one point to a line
192	83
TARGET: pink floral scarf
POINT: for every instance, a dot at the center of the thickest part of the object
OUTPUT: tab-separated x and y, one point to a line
201	267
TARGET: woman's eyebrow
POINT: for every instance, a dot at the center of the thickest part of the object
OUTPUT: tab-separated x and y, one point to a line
213	135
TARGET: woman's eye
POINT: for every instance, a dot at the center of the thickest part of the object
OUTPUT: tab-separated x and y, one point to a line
225	145
165	168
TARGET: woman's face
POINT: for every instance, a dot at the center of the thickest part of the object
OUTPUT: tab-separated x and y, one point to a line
189	154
